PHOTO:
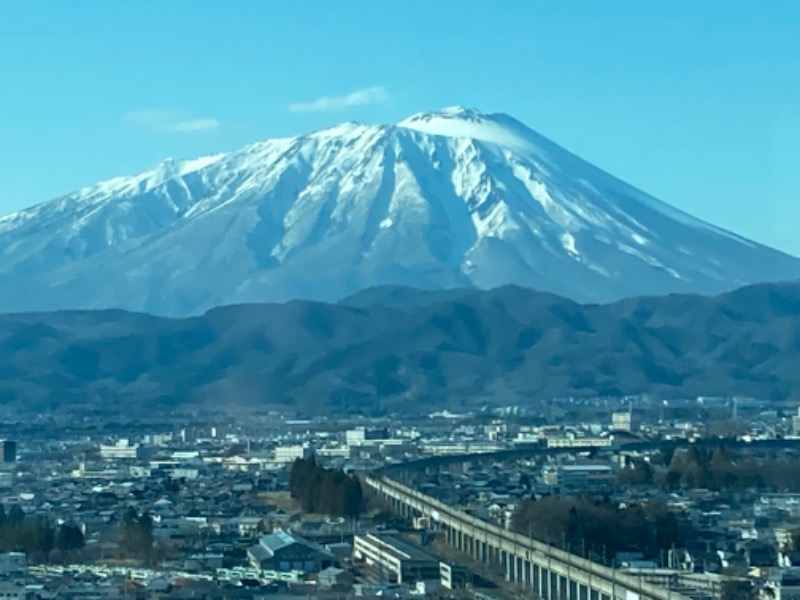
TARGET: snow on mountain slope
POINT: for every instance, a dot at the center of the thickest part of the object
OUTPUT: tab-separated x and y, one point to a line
444	199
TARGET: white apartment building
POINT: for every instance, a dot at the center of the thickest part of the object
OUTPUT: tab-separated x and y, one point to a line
796	423
122	450
359	435
577	477
621	421
288	454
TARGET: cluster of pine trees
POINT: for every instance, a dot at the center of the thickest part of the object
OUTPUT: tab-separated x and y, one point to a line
325	491
37	538
137	534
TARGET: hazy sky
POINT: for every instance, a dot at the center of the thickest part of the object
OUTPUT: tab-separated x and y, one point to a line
697	103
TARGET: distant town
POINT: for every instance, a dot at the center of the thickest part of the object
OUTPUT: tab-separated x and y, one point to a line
598	499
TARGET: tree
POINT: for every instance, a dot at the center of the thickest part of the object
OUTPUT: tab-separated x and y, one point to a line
673	480
328	499
665	526
641	473
353	497
13	532
146	534
721	469
137	534
688	464
737	590
42	539
588	522
18	534
235	450
322	490
729	428
15	516
68	538
172	486
637	528
796	540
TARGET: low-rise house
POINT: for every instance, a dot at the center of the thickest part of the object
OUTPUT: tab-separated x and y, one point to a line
333	577
284	551
13	563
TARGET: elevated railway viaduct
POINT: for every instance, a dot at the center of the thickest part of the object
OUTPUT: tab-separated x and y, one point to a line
548	572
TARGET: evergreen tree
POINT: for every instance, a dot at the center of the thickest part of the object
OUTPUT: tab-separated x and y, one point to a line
137	534
322	490
68	539
15	516
737	590
353	498
13	531
3	544
18	534
146	535
41	539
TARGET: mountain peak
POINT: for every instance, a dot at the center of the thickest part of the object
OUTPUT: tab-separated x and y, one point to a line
462	122
448	113
456	111
445	199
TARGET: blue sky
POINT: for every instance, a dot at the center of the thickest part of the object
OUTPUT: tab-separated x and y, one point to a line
697	103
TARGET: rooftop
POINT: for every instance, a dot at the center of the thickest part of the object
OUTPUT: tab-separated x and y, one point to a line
398	548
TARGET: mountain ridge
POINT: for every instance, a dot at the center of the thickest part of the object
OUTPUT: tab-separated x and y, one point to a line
442	200
504	346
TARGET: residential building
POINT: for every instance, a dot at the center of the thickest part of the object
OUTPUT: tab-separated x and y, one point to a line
248	527
359	435
796	423
122	450
621	421
332	577
12	591
13	563
288	454
578	477
283	551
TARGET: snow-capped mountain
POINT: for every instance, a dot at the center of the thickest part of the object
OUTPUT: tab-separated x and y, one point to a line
443	199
